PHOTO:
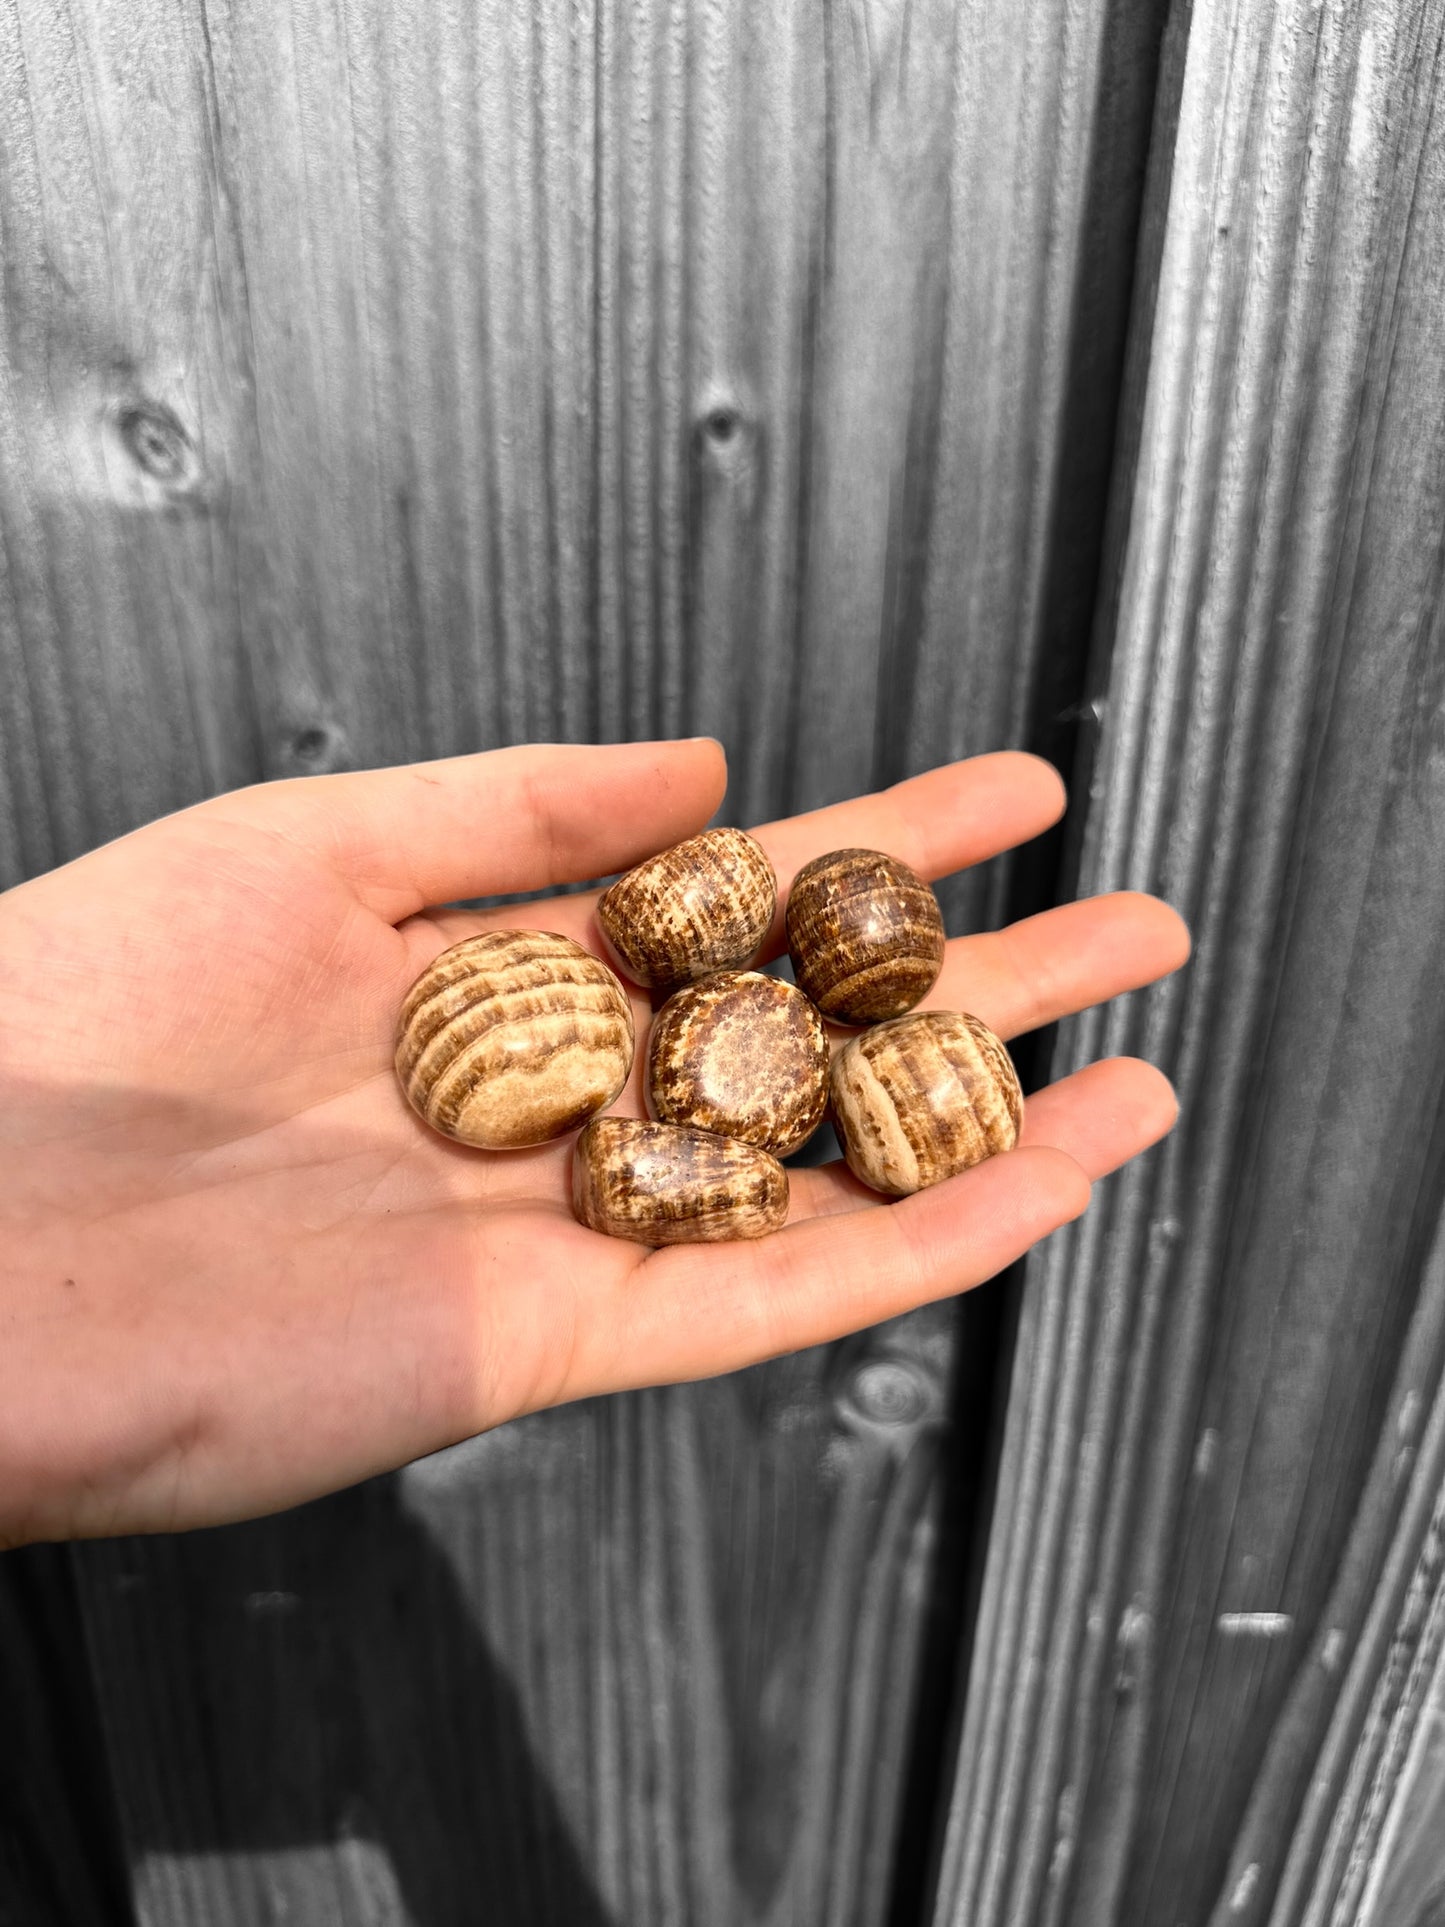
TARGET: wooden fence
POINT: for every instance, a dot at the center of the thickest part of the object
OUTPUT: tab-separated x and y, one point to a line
869	383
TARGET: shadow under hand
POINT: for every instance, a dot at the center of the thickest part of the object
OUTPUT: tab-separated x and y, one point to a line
316	1678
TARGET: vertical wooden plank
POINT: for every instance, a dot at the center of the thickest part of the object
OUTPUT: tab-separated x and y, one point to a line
317	513
647	1659
61	1856
1358	1730
889	84
120	436
1014	431
1205	1363
1409	1882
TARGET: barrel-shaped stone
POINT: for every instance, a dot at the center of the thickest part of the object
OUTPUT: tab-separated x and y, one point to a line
706	904
512	1038
666	1184
865	934
744	1054
919	1098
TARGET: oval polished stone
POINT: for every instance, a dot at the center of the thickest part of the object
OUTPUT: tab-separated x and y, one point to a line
665	1184
865	935
512	1038
917	1099
704	905
744	1054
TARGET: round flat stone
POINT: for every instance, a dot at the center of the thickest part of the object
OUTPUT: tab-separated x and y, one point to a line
744	1054
512	1038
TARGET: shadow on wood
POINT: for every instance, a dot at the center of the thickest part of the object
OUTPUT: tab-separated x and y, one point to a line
353	1700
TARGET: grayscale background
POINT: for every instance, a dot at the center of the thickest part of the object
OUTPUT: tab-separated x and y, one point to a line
868	383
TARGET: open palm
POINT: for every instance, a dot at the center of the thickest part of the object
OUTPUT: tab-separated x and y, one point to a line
238	1272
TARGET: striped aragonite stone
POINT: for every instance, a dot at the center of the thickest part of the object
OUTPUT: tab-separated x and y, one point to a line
512	1038
865	934
922	1097
704	905
744	1054
667	1184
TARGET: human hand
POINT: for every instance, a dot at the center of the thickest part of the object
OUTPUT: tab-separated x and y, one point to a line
238	1272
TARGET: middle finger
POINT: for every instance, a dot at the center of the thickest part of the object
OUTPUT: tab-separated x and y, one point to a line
1061	961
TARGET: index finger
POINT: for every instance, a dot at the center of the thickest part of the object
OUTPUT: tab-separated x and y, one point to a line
947	819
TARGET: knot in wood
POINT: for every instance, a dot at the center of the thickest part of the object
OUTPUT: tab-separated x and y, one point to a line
891	1392
155	440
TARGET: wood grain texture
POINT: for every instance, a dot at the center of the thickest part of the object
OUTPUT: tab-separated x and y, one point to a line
634	393
642	1659
389	381
1367	1843
61	1852
1192	1539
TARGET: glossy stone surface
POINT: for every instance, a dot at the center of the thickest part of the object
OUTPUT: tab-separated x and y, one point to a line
704	905
744	1054
922	1097
513	1038
665	1184
865	935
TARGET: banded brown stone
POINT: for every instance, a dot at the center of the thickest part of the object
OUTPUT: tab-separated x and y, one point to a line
744	1054
512	1038
919	1098
666	1184
865	935
704	905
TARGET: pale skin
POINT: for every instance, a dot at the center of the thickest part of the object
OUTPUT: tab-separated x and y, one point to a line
237	1272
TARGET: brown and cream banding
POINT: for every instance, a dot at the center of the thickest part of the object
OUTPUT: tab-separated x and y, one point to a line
922	1097
664	1184
865	935
704	905
512	1038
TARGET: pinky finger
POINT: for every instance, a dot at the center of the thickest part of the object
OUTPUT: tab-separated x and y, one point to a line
692	1311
